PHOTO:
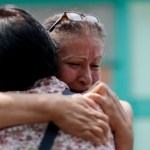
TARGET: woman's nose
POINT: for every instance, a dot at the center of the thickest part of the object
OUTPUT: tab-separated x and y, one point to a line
86	77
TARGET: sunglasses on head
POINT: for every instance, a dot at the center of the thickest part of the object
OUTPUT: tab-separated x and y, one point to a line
74	17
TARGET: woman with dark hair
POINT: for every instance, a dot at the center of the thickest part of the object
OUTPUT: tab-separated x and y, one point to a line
22	60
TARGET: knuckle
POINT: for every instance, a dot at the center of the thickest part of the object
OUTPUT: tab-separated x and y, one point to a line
92	113
103	85
105	99
100	131
106	118
87	135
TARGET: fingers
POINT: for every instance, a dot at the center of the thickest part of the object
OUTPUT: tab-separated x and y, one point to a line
90	102
99	126
101	122
96	129
99	99
107	98
110	103
79	118
103	89
87	135
96	137
93	86
99	88
102	131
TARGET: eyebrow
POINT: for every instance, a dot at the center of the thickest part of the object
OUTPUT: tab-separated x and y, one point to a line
69	57
78	57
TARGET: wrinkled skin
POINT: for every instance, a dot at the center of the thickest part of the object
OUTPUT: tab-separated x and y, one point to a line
78	109
119	112
79	68
79	63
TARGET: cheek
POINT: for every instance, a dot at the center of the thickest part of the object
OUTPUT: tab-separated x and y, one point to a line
67	74
96	76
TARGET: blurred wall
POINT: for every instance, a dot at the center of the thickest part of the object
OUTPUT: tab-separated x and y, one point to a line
139	58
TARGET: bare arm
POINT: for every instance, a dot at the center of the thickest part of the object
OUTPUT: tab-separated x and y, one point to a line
16	108
70	113
120	116
124	137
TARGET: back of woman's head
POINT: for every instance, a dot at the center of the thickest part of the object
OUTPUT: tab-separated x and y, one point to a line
26	50
67	26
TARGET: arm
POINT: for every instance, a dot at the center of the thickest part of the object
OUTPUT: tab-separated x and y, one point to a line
16	108
70	113
124	136
120	116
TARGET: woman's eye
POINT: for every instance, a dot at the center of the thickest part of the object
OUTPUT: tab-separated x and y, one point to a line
74	64
95	67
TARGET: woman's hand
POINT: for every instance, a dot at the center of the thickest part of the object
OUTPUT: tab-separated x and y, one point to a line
74	114
120	115
78	116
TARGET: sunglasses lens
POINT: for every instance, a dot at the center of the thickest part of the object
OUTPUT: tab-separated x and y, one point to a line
92	19
74	16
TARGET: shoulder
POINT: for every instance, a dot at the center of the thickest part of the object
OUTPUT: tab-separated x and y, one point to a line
128	109
48	85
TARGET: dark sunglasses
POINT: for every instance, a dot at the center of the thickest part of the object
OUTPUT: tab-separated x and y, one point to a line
74	17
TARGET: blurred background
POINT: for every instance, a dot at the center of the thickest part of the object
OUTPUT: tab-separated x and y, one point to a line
127	50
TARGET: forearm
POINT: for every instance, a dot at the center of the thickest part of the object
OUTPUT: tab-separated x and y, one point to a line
120	116
18	108
124	135
124	139
71	113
